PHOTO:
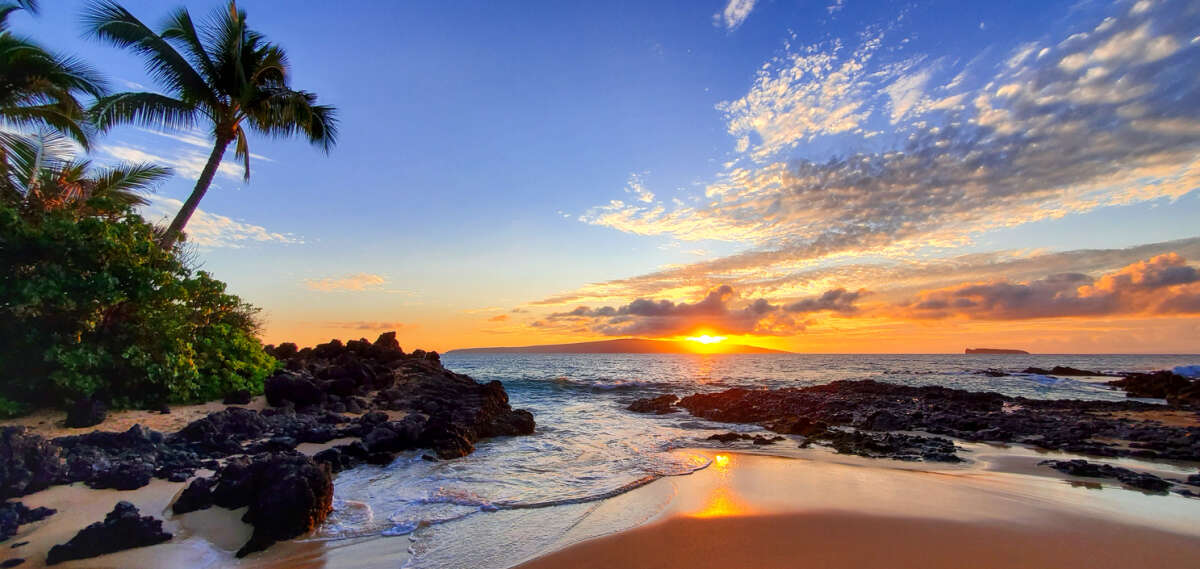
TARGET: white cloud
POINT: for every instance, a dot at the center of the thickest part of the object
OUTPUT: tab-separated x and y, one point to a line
1035	140
835	7
213	230
352	282
736	12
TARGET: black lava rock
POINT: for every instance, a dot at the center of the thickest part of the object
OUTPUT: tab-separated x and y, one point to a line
1080	467
123	528
660	405
237	397
86	412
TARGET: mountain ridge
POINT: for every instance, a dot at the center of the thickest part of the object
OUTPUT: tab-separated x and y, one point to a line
623	346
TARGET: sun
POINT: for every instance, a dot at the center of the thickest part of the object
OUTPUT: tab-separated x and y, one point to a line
706	339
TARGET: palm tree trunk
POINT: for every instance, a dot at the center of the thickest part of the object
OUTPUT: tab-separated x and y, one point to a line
169	238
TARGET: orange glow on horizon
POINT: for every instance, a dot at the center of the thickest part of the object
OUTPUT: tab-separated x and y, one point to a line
706	339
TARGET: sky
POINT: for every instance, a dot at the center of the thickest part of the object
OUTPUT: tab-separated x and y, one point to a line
815	176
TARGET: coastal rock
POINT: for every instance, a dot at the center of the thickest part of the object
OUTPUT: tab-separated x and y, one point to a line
86	412
290	387
756	439
13	515
891	445
223	432
123	528
28	462
1063	371
1080	467
197	496
1089	427
660	405
1175	388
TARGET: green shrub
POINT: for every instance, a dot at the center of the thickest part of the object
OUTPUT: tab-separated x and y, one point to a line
91	306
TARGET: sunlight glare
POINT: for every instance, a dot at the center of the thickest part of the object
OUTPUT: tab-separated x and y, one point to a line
706	339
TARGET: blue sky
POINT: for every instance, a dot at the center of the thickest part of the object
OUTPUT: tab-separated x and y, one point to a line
482	145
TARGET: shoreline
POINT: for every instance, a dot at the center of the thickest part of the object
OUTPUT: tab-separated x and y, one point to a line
746	490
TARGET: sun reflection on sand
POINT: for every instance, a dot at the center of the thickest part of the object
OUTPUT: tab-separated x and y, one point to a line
722	500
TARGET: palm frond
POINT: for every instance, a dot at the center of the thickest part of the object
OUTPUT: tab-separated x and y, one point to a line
180	28
151	110
285	112
241	150
126	184
110	22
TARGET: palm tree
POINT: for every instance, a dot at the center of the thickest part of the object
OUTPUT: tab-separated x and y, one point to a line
38	89
225	75
42	175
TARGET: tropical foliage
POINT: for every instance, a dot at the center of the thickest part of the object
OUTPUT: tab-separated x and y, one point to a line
221	74
91	306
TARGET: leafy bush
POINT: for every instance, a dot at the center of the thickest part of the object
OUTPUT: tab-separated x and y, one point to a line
91	306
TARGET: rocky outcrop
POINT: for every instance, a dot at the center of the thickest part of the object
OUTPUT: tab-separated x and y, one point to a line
13	515
660	405
1083	468
1175	388
287	495
123	528
1087	427
1063	371
734	437
28	463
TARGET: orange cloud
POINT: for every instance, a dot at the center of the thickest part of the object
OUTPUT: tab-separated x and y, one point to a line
498	318
1164	284
357	281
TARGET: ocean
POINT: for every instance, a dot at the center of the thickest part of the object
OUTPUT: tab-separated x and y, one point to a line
513	496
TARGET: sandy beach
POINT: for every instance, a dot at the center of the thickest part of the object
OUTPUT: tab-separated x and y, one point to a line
815	509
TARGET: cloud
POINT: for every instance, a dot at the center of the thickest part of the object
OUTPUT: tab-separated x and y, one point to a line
1032	140
1164	284
208	229
835	7
353	282
837	300
498	318
367	325
736	12
719	311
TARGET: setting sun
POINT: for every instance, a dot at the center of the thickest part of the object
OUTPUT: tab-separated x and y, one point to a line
706	339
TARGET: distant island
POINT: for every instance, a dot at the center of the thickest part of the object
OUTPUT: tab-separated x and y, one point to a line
625	346
994	351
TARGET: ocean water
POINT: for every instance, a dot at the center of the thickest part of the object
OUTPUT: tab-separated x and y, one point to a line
588	447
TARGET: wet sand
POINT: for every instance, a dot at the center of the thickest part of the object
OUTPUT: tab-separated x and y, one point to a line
744	510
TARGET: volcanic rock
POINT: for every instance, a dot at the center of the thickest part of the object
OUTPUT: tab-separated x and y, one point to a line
123	528
1080	467
660	405
86	412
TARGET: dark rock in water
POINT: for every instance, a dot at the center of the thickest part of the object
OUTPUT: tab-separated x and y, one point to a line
285	387
1063	371
123	528
1194	480
28	463
660	405
994	373
11	562
13	515
1080	467
726	437
288	494
86	412
238	397
1088	427
1175	388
